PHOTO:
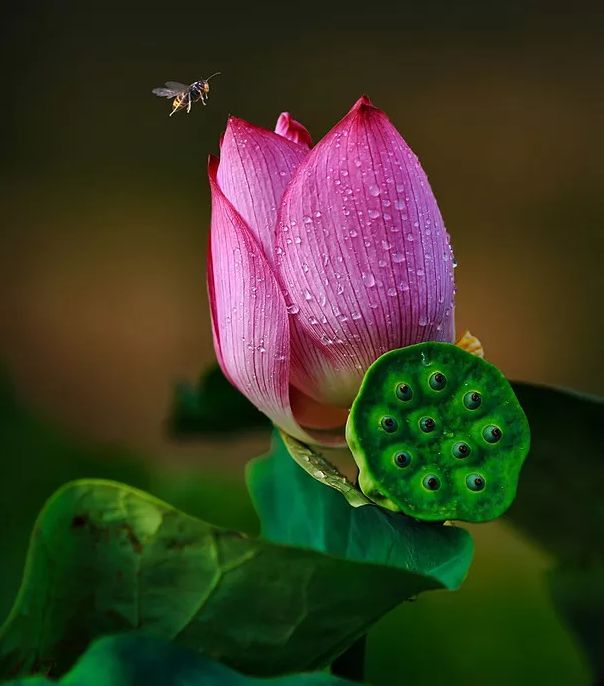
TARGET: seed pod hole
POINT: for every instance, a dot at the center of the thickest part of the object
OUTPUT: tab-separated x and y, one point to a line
472	400
404	392
431	482
427	424
491	433
389	424
402	458
461	450
475	482
437	381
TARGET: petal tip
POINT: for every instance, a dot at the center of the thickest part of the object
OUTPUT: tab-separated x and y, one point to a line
363	104
293	130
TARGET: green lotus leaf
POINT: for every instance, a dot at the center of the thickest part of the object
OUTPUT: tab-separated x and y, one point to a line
297	509
106	558
212	406
132	660
559	501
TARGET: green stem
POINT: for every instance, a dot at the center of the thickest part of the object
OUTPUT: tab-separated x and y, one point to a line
351	663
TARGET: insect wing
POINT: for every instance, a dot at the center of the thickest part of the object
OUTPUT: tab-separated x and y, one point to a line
164	92
171	89
177	86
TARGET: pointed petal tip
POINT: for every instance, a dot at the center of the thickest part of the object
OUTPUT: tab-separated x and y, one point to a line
363	104
237	125
293	130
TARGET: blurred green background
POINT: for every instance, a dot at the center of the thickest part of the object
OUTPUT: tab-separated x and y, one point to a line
105	208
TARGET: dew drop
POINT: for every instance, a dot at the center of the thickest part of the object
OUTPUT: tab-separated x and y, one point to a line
373	214
293	309
374	190
368	279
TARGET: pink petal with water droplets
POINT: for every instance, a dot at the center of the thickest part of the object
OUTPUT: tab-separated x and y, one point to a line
371	267
249	318
288	127
255	167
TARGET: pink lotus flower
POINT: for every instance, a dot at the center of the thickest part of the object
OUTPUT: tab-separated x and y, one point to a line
321	260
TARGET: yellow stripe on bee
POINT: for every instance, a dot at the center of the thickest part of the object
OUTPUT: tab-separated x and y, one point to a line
471	344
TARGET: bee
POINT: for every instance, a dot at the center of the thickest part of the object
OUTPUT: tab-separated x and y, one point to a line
185	96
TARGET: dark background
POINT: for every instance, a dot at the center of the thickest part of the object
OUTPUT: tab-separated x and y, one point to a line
105	220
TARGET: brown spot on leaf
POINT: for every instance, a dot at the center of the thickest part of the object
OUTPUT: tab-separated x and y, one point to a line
79	521
133	539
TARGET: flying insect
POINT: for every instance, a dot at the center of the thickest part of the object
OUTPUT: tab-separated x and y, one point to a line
184	96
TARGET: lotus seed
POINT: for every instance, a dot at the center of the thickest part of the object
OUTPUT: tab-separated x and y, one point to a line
389	424
404	392
438	381
431	482
461	450
491	433
472	400
402	459
475	482
427	424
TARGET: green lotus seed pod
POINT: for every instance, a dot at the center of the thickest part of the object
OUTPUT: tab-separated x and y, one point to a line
437	433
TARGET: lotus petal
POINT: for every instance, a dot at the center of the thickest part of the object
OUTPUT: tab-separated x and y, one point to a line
292	129
255	167
249	317
362	253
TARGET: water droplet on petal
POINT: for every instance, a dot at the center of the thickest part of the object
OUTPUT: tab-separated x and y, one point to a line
293	309
374	190
373	214
368	279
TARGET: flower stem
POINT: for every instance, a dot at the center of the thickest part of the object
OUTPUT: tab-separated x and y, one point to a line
351	663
